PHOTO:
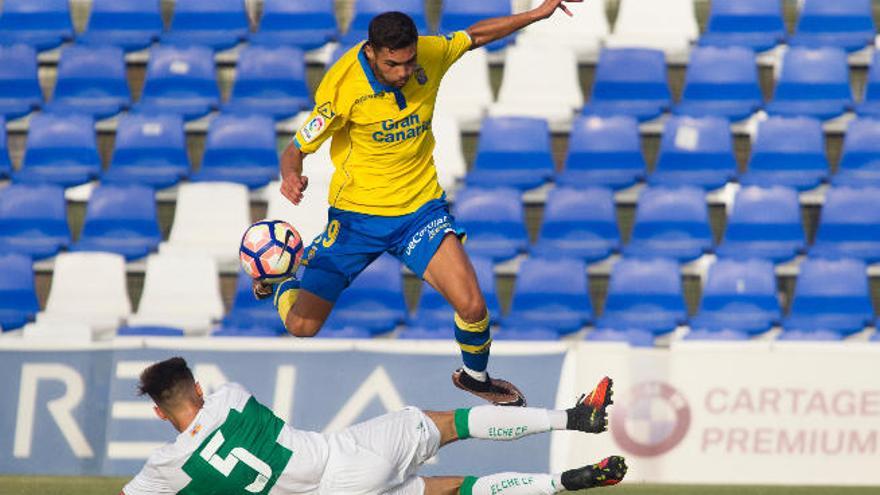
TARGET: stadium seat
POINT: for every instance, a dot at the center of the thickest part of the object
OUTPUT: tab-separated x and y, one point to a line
634	336
539	83
619	90
150	150
725	335
739	295
121	220
815	335
270	81
224	331
846	24
754	24
374	301
209	220
578	223
644	294
435	315
830	295
149	331
849	224
91	80
787	152
583	32
671	222
813	83
365	10
512	152
181	81
310	216
339	51
695	152
458	15
58	332
250	313
603	151
550	293
870	104
448	153
88	288
5	164
305	24
218	24
765	223
722	82
128	24
20	91
466	92
33	220
240	149
181	291
860	157
41	24
60	149
18	297
670	25
875	337
494	220
525	333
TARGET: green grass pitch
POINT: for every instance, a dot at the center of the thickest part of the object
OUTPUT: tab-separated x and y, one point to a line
49	485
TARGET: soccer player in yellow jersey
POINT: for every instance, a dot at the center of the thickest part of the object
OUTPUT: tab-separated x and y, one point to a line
377	102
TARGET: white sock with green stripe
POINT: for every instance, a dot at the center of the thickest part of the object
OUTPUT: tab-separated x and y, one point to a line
511	484
506	423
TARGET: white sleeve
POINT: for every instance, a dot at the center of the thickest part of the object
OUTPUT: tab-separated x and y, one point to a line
148	481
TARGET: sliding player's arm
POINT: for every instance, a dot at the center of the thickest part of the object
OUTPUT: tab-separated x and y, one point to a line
489	30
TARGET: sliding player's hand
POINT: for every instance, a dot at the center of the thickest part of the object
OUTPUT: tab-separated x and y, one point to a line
262	290
550	6
293	186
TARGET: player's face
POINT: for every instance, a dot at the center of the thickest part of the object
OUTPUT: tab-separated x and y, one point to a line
393	67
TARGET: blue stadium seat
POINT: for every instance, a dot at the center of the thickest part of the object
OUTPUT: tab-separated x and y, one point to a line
876	337
435	314
60	149
122	220
270	81
91	80
305	24
739	295
849	224
644	294
41	24
620	90
603	151
860	158
552	294
512	152
148	331
5	164
365	10
846	24
339	51
671	222
250	332
373	302
633	337
458	15
721	82
18	298
870	104
33	220
755	24
347	332
578	223
20	91
813	83
128	24
181	81
725	335
765	223
788	152
695	152
494	220
240	149
816	335
150	150
831	295
526	333
218	24
248	312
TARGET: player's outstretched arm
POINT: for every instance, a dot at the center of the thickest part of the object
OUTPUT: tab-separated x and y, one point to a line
293	183
489	30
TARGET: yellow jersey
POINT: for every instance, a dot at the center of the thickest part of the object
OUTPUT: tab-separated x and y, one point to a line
382	144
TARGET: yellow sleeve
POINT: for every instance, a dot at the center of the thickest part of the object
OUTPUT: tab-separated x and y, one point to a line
328	116
449	47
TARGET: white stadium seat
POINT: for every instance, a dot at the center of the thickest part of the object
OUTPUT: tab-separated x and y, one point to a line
448	155
209	221
582	33
58	332
181	291
310	216
540	83
88	288
668	25
466	92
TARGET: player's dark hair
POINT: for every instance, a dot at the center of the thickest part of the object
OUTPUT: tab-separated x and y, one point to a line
392	30
167	381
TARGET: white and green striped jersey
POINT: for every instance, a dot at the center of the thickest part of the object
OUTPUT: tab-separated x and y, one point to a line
235	445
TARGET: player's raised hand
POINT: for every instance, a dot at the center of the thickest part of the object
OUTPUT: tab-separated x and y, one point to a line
293	186
549	7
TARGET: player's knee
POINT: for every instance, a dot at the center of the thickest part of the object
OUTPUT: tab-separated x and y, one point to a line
300	327
473	311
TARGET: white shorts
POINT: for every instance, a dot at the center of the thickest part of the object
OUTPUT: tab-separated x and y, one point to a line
381	456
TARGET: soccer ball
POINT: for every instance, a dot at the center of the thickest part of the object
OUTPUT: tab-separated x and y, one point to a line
270	250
